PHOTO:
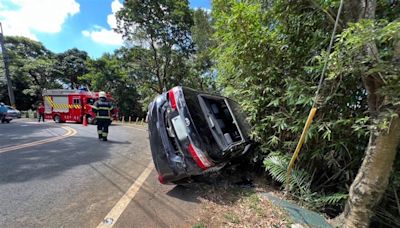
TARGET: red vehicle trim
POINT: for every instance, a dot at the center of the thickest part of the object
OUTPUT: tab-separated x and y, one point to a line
161	179
172	98
199	158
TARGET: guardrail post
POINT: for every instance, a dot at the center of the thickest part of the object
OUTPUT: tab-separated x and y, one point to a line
130	119
137	120
123	119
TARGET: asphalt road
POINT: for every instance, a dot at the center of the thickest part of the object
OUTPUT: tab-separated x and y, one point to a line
61	175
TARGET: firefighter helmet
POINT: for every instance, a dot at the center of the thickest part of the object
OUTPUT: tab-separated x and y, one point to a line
102	94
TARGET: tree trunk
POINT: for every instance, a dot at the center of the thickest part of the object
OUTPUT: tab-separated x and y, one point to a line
373	176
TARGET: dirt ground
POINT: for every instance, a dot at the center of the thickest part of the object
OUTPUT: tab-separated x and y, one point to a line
235	201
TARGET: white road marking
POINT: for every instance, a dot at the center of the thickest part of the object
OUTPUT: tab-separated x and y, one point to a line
112	217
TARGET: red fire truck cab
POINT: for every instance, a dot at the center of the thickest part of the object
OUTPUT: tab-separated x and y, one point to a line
63	105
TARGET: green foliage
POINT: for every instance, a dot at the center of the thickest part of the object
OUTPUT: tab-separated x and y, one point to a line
163	23
300	184
347	61
162	28
109	74
160	53
164	52
31	68
269	56
71	65
201	62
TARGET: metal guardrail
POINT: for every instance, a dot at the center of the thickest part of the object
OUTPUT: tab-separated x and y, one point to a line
130	120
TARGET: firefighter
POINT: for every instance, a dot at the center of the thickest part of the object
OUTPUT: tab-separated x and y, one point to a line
103	109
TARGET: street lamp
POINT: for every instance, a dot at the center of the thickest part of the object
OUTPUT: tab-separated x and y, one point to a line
6	71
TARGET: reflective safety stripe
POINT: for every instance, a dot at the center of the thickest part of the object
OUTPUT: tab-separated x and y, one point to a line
75	106
61	106
99	132
104	108
104	134
103	117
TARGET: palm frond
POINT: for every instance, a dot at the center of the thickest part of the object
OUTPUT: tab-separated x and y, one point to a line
276	165
332	200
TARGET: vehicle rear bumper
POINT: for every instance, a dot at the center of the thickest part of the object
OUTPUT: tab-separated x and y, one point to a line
169	165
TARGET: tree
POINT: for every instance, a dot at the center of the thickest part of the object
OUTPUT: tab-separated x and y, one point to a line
31	69
109	74
372	48
71	65
201	62
269	57
163	30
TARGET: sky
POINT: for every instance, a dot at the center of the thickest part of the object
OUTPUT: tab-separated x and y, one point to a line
64	24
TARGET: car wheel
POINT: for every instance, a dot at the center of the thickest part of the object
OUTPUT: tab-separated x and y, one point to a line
57	119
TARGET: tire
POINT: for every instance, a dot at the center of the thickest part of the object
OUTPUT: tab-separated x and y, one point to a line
57	119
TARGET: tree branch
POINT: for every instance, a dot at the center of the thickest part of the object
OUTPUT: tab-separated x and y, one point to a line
330	15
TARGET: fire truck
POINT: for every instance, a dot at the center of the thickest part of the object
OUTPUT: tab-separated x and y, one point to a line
63	105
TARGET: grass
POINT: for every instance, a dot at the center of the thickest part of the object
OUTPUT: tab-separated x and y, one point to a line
232	217
199	225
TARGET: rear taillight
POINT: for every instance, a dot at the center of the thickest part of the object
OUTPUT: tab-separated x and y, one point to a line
161	179
173	96
199	157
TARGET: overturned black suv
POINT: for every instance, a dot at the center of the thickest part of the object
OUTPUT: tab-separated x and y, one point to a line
192	133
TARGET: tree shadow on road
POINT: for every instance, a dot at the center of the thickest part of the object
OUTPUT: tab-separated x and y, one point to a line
119	142
10	136
51	159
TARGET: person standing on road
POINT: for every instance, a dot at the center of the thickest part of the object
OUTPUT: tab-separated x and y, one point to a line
103	109
3	112
41	112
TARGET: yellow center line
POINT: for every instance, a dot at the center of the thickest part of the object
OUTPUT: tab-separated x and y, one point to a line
70	132
112	217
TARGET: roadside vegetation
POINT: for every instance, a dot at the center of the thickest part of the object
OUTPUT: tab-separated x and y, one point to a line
267	55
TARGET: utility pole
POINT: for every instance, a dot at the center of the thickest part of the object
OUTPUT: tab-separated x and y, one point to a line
6	71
